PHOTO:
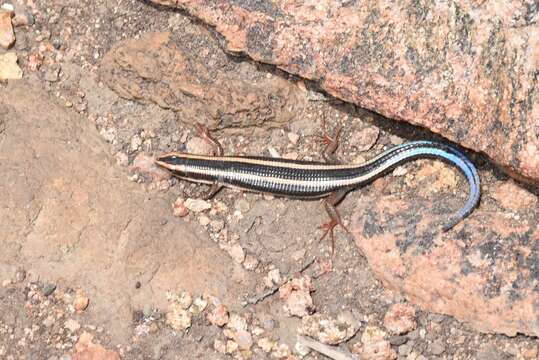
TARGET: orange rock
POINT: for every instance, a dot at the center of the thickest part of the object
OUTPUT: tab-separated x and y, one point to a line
85	349
219	316
400	319
81	303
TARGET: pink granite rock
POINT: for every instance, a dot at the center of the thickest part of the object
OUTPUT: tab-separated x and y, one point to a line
484	271
466	70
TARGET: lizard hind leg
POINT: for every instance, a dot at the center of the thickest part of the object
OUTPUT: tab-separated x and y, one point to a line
330	204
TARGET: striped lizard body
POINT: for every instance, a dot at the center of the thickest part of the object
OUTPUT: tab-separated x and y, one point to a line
303	179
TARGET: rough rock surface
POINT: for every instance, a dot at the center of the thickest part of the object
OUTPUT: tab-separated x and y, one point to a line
8	67
156	68
484	271
7	37
465	70
69	214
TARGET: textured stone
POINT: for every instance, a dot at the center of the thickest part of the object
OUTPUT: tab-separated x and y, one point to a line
373	346
9	69
296	295
178	318
219	316
466	70
400	319
484	271
86	349
7	36
329	330
156	68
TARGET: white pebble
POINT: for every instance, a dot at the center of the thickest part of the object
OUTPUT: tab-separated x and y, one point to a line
197	205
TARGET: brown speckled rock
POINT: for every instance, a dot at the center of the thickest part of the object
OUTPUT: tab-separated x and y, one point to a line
466	70
485	271
155	68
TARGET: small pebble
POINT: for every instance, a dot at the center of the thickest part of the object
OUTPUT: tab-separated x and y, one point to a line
437	347
7	7
231	346
273	278
404	350
291	155
178	318
273	152
244	339
373	345
185	300
400	319
219	346
266	344
180	210
197	205
136	142
400	171
198	306
329	330
397	340
7	36
81	303
237	322
395	140
48	289
204	220
296	296
20	275
52	74
282	351
250	263
9	69
219	316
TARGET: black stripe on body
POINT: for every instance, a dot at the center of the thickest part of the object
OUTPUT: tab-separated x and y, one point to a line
309	182
306	179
